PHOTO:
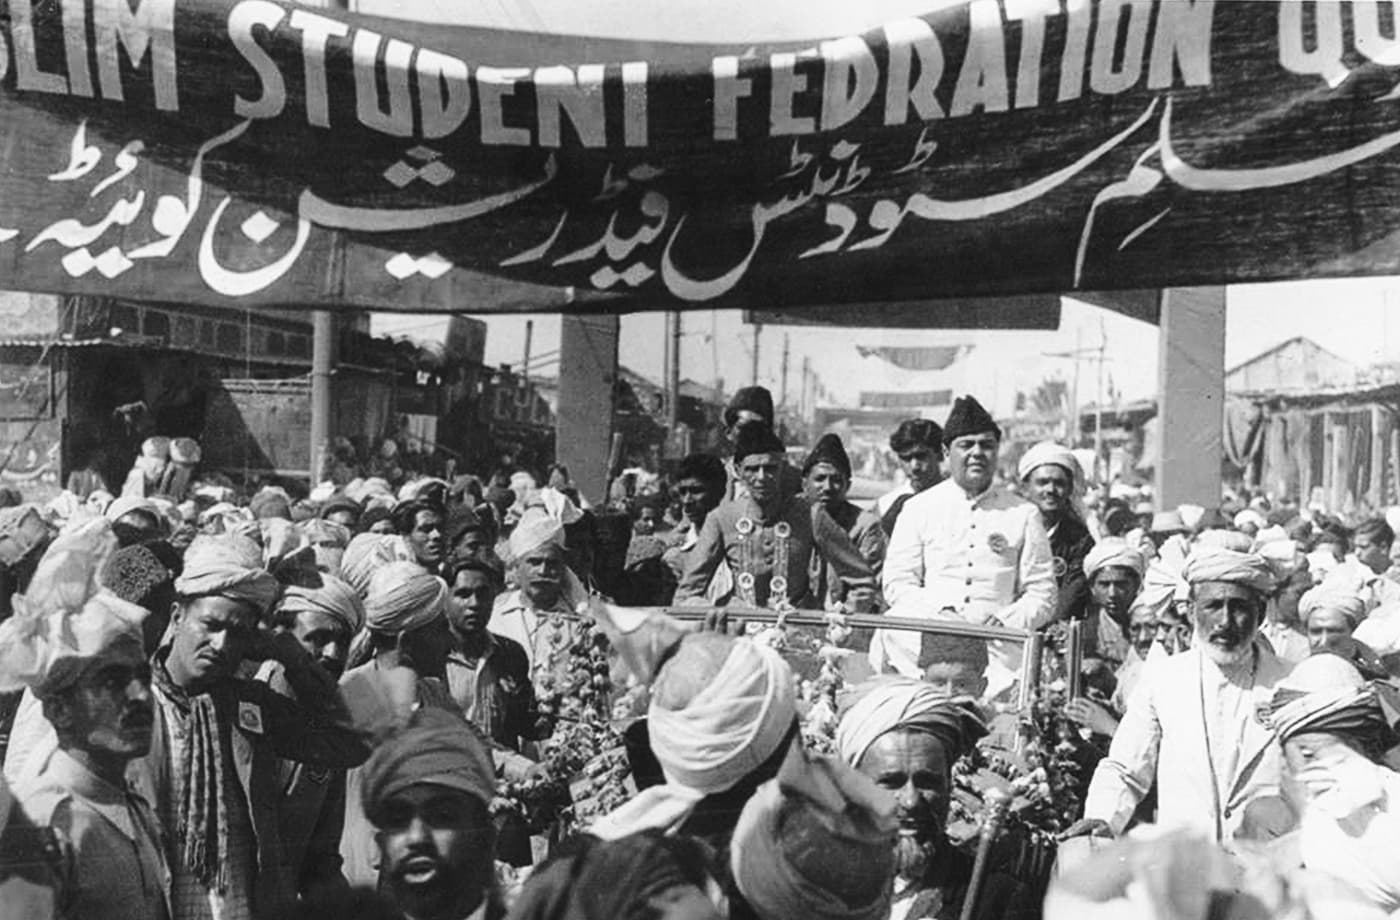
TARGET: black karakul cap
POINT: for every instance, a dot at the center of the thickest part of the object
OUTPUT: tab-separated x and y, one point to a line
756	439
828	450
968	417
750	399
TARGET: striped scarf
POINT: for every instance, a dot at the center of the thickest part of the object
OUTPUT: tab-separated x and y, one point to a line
201	820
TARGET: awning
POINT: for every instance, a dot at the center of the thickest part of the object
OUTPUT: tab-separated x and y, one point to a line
246	152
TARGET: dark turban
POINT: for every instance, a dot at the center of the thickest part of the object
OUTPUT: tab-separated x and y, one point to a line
611	880
439	749
750	399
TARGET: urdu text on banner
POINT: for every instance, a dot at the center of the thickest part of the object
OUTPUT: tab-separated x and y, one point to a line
248	152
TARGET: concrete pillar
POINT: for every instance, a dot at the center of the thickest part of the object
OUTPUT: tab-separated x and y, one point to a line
1191	396
587	371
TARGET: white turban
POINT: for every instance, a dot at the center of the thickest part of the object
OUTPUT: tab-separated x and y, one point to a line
556	504
888	704
535	529
227	566
1215	563
721	736
65	618
1332	597
402	597
1250	516
1048	452
1226	539
129	503
334	598
1114	551
367	553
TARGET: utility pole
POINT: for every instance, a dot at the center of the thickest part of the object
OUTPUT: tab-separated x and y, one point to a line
673	373
806	382
753	374
322	361
323	342
1098	400
525	361
787	341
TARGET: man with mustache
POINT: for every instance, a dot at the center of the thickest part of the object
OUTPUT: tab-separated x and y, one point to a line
540	615
906	735
427	791
967	549
94	684
1190	726
214	771
767	536
826	478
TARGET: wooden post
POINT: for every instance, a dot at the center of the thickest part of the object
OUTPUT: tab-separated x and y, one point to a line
1376	491
1191	375
587	370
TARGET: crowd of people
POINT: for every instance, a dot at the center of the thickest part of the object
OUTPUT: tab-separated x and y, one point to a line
257	707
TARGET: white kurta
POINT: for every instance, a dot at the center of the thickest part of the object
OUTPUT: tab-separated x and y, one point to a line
1191	728
1360	848
955	557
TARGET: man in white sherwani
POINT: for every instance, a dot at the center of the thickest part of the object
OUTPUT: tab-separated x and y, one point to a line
1191	724
967	550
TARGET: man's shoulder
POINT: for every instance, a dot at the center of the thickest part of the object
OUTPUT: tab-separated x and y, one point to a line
1272	667
932	497
1002	497
508	602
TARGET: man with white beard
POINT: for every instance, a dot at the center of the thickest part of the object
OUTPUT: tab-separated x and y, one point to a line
1334	727
1191	724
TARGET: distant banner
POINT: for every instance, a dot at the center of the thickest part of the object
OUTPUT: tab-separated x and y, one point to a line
929	358
249	152
869	400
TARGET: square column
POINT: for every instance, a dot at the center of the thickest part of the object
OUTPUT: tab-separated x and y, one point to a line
1191	397
587	372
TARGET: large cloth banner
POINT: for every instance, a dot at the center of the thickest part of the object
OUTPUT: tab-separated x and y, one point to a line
248	152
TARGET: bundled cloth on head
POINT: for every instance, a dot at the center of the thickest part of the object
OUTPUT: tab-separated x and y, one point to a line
369	552
1226	539
1250	517
554	503
1216	563
612	879
327	540
271	503
334	598
66	618
422	487
1052	454
121	507
1331	597
439	748
888	704
1326	693
1114	551
227	566
817	842
1282	555
402	597
722	734
535	530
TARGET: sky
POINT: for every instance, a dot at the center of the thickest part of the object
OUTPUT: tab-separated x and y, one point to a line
1358	319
